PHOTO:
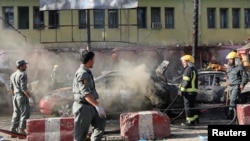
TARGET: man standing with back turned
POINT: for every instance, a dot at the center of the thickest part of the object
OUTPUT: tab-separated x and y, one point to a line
21	98
86	109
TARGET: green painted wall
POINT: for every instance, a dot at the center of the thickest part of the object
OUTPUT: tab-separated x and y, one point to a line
69	35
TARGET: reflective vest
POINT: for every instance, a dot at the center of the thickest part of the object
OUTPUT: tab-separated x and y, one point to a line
189	80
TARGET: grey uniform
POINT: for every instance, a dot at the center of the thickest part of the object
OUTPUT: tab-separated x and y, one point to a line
21	108
84	113
236	76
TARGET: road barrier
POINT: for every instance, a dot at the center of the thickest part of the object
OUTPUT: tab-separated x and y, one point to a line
50	129
243	114
148	125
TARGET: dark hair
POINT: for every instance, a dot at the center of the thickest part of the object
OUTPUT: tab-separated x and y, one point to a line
86	56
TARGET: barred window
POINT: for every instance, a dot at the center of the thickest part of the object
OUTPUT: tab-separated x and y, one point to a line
99	18
8	17
236	17
211	17
53	19
247	17
169	17
113	18
142	17
223	18
82	19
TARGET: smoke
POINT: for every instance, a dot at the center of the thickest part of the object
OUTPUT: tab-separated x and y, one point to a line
131	90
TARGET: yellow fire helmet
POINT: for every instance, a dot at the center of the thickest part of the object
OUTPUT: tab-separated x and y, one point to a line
188	58
232	55
56	66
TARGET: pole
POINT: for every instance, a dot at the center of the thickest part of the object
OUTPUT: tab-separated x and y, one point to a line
88	29
195	27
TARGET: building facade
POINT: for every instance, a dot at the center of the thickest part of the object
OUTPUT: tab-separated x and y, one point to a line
155	23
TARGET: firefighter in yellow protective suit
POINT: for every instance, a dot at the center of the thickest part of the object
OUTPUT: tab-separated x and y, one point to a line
189	89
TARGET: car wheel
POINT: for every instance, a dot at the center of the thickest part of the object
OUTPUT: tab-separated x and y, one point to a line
64	110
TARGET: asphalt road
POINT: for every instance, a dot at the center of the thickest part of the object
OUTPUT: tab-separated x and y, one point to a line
177	134
207	117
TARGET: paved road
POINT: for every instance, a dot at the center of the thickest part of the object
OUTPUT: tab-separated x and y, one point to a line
177	134
207	117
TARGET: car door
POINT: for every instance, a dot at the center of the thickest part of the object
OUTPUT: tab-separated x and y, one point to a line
205	92
211	88
219	86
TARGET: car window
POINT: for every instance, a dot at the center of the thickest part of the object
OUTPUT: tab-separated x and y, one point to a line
111	82
220	80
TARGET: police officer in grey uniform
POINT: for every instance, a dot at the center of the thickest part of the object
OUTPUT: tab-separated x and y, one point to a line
21	98
86	109
237	79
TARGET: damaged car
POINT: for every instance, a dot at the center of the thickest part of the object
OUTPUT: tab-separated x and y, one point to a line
119	91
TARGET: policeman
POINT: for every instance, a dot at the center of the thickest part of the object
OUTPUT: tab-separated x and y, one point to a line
21	98
188	89
237	78
86	109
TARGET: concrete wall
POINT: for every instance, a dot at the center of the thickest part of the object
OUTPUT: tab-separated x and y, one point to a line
69	35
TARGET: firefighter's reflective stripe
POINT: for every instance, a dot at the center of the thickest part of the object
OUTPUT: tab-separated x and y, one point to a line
192	89
189	119
186	78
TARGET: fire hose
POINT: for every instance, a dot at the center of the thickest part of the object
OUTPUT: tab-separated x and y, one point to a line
199	126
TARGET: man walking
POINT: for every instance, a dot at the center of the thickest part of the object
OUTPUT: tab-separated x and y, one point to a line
21	98
237	78
86	109
189	88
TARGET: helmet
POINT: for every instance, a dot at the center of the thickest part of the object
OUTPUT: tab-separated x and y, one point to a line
232	55
56	66
188	58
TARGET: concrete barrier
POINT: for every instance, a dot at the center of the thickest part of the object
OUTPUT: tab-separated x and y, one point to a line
243	114
50	129
150	125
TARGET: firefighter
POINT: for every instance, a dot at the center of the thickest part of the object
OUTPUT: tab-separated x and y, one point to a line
21	98
57	80
86	109
237	78
188	89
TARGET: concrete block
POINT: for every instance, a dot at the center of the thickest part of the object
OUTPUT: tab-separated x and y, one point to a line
150	125
50	129
243	114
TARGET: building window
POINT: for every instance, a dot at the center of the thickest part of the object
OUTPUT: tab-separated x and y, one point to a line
99	18
53	19
236	17
223	18
156	17
142	17
8	17
169	17
247	18
38	18
113	18
211	18
23	17
82	19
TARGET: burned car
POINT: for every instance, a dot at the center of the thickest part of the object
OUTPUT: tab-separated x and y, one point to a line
212	86
119	91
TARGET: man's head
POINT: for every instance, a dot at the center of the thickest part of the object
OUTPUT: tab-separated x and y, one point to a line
21	65
187	59
88	58
231	57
